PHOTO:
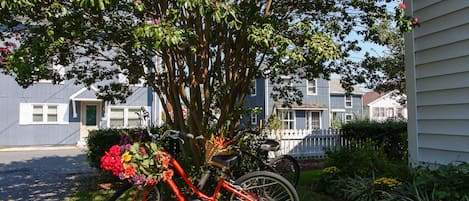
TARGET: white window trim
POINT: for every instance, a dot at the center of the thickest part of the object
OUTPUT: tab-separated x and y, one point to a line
345	101
253	119
292	120
126	115
351	117
315	86
309	119
26	114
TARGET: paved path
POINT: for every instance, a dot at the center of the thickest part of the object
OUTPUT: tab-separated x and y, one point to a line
40	174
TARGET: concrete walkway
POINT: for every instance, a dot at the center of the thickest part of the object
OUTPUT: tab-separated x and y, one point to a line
40	173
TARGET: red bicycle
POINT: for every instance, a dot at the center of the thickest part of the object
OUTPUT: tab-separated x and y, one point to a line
254	186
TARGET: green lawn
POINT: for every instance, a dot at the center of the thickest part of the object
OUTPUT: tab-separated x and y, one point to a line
92	187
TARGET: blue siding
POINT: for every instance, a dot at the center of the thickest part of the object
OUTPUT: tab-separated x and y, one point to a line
14	134
322	97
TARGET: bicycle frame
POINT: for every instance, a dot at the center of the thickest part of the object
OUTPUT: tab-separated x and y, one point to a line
222	183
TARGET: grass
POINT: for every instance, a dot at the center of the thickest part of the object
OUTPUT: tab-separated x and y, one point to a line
97	188
305	189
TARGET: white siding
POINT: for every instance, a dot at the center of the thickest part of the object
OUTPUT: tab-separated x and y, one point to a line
437	65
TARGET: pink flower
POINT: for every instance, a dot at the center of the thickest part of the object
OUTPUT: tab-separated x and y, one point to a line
142	151
155	21
151	182
402	6
415	21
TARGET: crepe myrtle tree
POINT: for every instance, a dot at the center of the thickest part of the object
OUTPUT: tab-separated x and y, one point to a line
197	54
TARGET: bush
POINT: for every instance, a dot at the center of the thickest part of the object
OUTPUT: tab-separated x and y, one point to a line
446	183
390	136
100	141
365	162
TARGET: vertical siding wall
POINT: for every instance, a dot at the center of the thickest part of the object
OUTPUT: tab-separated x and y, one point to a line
14	134
440	67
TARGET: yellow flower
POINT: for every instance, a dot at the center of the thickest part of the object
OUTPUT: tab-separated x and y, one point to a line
126	157
389	182
332	169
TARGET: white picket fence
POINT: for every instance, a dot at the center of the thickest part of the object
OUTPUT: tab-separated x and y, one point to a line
305	144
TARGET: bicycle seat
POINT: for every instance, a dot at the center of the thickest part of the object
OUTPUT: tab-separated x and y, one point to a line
270	145
223	161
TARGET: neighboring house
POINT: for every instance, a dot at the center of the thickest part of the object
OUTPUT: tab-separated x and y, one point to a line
345	107
319	103
63	114
437	71
383	106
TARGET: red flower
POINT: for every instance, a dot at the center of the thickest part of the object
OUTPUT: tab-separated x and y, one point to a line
415	21
168	174
220	142
151	182
402	5
165	161
112	163
115	150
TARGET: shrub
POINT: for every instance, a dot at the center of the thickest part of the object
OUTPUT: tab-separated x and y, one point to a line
367	189
390	136
100	141
446	183
328	180
365	162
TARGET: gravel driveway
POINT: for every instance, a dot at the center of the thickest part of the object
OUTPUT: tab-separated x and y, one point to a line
41	174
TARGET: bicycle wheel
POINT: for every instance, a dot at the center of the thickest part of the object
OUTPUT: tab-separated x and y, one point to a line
288	167
130	192
268	186
248	163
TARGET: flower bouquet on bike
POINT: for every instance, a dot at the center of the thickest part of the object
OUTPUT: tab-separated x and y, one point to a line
142	164
145	164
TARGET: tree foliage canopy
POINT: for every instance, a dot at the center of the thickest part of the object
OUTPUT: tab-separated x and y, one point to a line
199	54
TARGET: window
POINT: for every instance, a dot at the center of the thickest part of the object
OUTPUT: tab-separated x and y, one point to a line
348	118
253	119
348	101
389	112
133	119
287	118
313	120
43	113
124	117
311	87
253	88
52	113
116	117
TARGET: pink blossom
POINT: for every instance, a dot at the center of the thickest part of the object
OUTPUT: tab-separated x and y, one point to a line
415	21
402	5
155	21
143	151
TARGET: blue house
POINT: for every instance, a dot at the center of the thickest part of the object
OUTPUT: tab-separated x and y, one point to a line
63	114
323	101
345	107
